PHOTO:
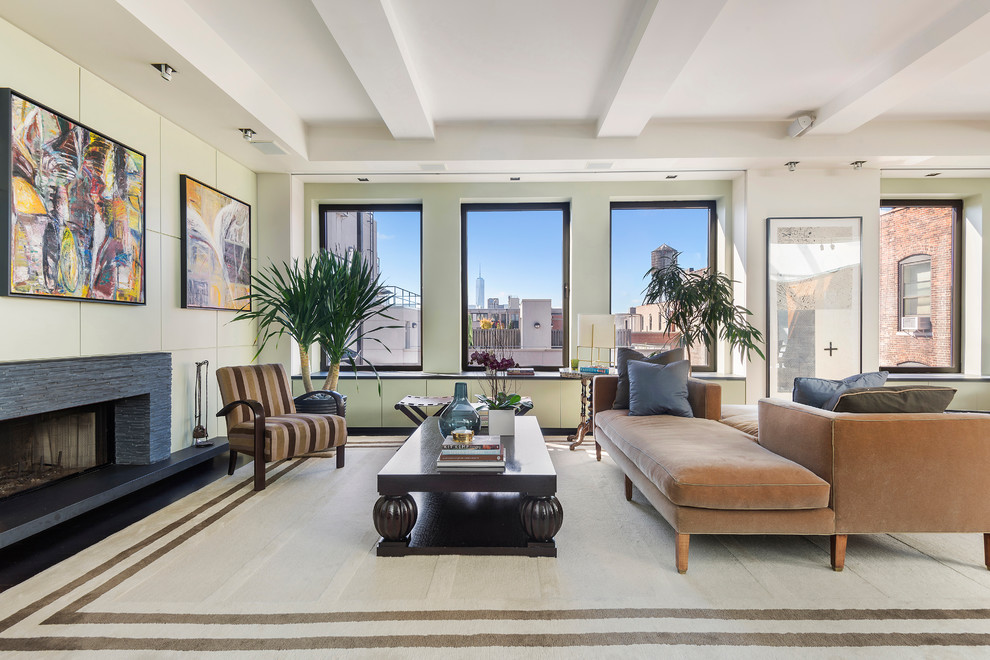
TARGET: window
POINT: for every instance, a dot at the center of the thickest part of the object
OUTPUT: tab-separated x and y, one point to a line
919	285
915	277
514	260
647	235
388	237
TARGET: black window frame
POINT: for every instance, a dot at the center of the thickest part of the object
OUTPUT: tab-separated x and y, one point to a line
565	209
323	209
957	258
710	205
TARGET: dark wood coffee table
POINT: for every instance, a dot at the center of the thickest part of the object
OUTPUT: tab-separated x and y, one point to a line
423	511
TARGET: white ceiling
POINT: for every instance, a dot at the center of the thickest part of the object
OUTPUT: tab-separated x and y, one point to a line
638	88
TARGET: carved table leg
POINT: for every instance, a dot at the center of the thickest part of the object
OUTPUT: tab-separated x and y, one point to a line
586	419
395	516
541	518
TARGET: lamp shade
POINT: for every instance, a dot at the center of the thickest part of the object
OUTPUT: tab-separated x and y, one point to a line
596	330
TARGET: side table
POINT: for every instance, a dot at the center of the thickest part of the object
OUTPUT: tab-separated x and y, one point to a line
587	414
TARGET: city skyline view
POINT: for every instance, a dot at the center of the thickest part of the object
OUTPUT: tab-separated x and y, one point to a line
533	268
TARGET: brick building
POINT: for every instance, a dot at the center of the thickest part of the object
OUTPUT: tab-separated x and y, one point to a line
916	254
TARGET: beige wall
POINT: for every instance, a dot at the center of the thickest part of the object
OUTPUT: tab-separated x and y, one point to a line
37	329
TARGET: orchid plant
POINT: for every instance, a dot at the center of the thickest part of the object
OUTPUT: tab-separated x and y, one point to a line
497	382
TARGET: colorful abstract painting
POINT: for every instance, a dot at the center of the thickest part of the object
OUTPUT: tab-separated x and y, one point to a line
216	248
76	200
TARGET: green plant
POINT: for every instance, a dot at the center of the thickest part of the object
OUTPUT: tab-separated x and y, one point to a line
285	300
699	304
497	380
354	295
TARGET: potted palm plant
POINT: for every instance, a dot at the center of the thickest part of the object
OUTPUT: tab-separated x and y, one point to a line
355	297
700	305
322	300
286	299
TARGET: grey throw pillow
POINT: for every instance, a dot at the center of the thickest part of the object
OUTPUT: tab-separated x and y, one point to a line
898	399
818	391
622	359
659	389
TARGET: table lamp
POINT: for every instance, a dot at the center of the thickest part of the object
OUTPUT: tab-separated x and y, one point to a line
596	333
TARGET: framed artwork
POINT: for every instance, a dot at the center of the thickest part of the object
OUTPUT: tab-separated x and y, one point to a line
75	203
814	300
216	247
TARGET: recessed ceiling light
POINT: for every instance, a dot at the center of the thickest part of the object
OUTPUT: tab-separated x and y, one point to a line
363	179
792	165
933	174
513	178
247	133
671	176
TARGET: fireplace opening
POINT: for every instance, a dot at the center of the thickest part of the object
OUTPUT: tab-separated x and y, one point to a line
38	450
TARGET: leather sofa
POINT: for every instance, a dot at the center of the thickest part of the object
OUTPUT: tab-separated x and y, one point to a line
811	472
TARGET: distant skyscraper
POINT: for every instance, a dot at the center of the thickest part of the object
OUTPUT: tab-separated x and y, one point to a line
479	290
662	257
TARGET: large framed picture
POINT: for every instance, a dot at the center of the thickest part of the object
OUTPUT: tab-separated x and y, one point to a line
216	247
75	204
814	300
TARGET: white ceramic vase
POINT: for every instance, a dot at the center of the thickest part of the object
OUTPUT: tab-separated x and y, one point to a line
501	422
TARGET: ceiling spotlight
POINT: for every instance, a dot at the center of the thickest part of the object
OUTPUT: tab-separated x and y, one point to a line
801	125
247	133
363	179
513	178
933	174
166	70
792	165
857	164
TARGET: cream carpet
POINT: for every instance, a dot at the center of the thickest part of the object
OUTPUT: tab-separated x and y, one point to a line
292	572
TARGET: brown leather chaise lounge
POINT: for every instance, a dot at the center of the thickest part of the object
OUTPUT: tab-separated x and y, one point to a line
811	471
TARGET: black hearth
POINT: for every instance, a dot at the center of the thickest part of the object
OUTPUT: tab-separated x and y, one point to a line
135	393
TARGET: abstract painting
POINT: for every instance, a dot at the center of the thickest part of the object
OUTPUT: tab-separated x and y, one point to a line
76	205
216	247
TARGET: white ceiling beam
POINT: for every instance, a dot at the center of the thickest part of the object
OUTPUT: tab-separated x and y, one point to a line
952	41
368	34
185	31
666	36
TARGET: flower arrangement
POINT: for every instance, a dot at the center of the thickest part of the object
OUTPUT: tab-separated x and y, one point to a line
496	380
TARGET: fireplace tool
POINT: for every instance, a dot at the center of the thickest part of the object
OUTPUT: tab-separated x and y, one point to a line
200	434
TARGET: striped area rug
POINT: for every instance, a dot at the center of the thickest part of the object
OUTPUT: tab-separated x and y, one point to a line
292	572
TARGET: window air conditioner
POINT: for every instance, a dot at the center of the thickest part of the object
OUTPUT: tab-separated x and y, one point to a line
909	323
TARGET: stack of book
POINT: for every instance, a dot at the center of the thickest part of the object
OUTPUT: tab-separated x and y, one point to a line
483	454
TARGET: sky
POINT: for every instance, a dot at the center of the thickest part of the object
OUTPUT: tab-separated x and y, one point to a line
399	248
637	232
520	253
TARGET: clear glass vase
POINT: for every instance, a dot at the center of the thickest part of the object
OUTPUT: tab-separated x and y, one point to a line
460	413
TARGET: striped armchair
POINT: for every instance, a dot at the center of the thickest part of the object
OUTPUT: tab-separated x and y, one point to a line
262	420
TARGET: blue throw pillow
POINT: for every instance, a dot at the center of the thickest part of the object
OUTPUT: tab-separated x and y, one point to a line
626	355
818	392
659	389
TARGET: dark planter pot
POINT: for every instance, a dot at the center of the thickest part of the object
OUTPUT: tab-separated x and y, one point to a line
322	402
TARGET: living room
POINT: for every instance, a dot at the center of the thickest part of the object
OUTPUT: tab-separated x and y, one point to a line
885	103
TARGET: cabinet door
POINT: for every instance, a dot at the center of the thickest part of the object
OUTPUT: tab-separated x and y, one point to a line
814	306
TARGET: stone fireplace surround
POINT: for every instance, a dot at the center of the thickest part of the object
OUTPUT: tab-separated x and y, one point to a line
140	386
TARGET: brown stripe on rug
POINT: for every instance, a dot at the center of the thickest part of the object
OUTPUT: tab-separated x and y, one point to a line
289	618
68	588
165	549
497	640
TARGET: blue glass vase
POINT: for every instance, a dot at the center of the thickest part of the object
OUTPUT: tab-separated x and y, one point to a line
460	413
